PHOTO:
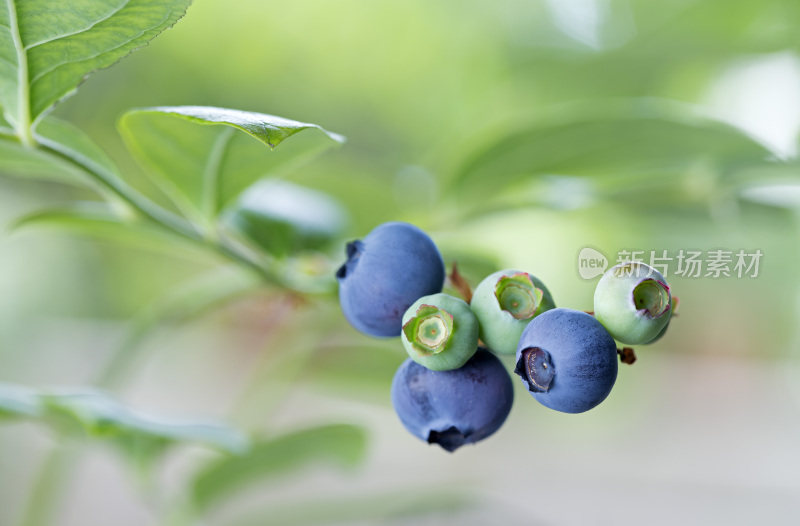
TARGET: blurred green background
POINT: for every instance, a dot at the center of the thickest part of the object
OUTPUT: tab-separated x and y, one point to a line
515	133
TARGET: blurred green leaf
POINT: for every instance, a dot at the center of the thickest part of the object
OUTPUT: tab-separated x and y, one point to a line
98	415
49	46
367	509
635	138
776	194
282	217
775	185
717	28
202	168
98	220
86	412
18	401
341	444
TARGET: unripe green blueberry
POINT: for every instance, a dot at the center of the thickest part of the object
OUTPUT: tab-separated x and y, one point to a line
504	303
660	334
633	302
440	332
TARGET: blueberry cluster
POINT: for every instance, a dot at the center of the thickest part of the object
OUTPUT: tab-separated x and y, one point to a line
453	389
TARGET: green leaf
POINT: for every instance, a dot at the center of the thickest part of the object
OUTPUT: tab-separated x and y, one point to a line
623	139
203	168
269	129
367	509
48	47
341	444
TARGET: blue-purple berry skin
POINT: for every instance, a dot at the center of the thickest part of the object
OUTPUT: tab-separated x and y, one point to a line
387	271
456	407
567	359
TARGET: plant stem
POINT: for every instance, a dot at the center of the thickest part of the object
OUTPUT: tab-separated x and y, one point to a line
237	254
155	213
128	194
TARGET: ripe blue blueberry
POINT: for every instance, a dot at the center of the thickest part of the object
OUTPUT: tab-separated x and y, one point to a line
504	303
633	302
567	360
453	408
387	271
440	332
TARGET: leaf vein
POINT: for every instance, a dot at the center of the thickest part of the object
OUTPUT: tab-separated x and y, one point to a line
79	31
47	71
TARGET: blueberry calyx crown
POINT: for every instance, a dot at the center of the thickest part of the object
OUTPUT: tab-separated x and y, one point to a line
429	330
536	368
353	250
651	297
517	295
449	439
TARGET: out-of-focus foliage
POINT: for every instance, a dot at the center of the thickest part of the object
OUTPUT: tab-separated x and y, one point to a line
622	146
94	413
268	459
515	132
284	218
